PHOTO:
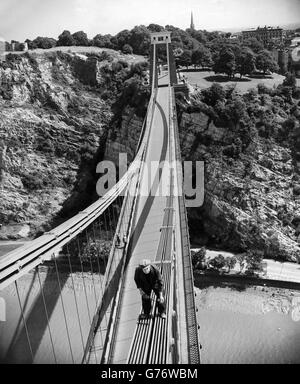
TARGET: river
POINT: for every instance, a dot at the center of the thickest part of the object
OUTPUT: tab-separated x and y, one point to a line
247	325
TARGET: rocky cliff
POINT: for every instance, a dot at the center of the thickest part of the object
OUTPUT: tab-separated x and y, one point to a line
251	171
59	112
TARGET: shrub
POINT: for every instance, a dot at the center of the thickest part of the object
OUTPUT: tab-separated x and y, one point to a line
214	94
296	93
35	181
218	262
263	89
254	262
198	258
230	262
233	150
127	49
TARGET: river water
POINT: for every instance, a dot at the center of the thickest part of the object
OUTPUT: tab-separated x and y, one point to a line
249	326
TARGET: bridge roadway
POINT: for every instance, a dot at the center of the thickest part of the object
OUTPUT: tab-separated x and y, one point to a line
159	233
149	219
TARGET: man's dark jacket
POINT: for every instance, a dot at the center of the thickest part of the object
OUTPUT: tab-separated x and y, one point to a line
147	282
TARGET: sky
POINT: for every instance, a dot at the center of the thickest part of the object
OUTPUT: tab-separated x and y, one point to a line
21	19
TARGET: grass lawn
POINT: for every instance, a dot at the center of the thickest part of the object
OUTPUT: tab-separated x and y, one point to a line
204	79
82	50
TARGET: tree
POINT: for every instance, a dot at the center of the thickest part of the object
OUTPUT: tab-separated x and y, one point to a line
65	39
155	28
254	262
202	56
230	262
30	44
218	262
42	42
102	41
198	258
212	95
18	46
140	40
265	62
254	44
185	58
235	110
121	39
127	49
219	44
198	35
225	62
246	62
81	39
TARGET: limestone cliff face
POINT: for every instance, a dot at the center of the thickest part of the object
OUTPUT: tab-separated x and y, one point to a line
125	138
55	122
250	200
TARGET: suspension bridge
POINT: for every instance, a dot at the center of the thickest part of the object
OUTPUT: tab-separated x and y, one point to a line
70	294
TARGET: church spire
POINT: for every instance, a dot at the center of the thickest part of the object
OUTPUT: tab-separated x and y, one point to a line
192	22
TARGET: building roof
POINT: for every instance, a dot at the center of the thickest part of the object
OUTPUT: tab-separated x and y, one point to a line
261	29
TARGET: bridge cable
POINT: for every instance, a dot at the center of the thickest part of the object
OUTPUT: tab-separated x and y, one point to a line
97	258
75	297
105	260
100	231
93	281
112	224
13	341
91	263
105	267
84	287
63	308
24	321
101	294
46	313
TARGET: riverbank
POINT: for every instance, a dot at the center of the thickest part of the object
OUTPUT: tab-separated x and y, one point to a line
273	270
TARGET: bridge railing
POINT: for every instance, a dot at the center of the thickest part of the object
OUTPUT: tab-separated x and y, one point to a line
109	344
191	320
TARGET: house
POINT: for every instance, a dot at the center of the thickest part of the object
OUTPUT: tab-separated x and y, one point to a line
264	34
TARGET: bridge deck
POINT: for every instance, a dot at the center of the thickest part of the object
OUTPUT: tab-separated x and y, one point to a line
150	212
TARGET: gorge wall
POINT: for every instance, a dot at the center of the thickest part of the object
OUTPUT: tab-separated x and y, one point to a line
251	171
59	114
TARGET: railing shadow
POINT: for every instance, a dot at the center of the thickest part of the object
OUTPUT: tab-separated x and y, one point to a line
37	319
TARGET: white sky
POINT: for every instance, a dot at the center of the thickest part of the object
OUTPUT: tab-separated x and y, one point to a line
21	19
